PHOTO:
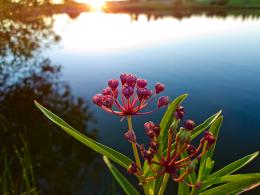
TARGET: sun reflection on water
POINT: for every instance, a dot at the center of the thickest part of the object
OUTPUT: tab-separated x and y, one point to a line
100	32
96	5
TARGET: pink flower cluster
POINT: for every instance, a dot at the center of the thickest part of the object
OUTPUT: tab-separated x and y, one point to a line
133	97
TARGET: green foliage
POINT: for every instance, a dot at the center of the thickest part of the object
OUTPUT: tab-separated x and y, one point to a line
112	154
12	181
168	119
232	167
123	182
227	184
238	184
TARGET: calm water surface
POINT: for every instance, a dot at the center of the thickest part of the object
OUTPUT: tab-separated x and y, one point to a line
215	60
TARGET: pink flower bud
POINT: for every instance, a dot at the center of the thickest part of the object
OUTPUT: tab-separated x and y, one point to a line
97	99
141	83
127	91
107	91
108	101
149	125
113	84
132	169
131	80
159	87
189	125
179	113
130	136
209	138
123	78
143	93
163	101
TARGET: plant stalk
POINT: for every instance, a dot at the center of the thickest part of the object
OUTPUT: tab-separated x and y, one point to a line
136	155
164	184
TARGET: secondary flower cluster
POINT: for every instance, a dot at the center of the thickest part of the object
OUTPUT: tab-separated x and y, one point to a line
171	161
133	96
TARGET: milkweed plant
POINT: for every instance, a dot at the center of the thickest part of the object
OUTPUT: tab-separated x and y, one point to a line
171	154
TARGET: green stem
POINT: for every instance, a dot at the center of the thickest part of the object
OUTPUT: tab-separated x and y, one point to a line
136	155
164	183
137	159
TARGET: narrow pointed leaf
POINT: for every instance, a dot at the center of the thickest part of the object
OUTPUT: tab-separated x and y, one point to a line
235	186
122	181
232	167
168	119
214	129
203	126
229	178
112	154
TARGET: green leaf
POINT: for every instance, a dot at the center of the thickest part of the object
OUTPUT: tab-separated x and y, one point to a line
214	129
232	167
200	128
112	154
168	119
240	184
228	178
123	182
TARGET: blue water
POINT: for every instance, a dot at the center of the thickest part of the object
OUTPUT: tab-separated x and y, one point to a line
215	60
218	68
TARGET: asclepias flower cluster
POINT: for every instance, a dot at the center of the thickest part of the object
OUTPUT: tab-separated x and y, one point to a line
170	151
130	99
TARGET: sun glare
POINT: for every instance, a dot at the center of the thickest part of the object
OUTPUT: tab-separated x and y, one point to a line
94	4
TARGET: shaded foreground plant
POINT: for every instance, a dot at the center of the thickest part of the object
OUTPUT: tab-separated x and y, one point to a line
13	181
169	152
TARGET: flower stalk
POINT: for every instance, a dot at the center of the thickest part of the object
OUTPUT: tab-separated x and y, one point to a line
136	155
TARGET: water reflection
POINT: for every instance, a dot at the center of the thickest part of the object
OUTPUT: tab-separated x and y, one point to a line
26	74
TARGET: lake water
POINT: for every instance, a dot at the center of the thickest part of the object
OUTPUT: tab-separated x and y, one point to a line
215	60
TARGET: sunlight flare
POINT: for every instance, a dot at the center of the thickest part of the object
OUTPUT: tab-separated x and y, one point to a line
94	4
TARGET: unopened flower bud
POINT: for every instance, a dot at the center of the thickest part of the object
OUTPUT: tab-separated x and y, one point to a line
108	101
113	84
163	101
191	149
132	169
130	136
97	99
141	83
143	93
123	78
209	138
131	80
189	125
107	91
179	113
159	87
127	91
149	125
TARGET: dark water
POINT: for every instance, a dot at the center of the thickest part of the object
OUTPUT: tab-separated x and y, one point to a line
63	62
